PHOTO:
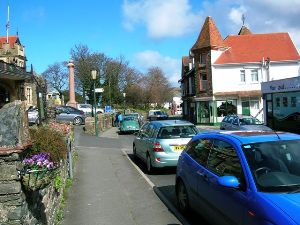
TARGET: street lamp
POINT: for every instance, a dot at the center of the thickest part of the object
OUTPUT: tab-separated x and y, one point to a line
94	77
124	95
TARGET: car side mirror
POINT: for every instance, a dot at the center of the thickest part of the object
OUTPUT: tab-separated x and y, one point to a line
228	181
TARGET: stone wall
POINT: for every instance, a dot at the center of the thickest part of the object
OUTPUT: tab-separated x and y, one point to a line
14	125
104	122
17	204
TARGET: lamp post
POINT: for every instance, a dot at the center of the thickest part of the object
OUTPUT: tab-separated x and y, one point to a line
124	95
94	77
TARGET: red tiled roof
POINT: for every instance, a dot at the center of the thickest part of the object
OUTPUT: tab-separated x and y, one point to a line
185	60
209	36
244	30
11	39
255	47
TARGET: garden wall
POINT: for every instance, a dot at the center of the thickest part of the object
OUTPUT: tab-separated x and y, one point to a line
17	205
104	122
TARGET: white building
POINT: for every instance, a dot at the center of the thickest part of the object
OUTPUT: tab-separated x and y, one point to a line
223	76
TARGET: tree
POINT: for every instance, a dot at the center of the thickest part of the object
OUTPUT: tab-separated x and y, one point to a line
157	87
57	76
84	63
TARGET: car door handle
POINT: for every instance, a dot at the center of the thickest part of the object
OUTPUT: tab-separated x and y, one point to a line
202	174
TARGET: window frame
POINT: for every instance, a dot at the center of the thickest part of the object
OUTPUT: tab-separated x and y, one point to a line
254	72
243	74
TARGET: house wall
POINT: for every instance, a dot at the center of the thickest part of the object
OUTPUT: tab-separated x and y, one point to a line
226	78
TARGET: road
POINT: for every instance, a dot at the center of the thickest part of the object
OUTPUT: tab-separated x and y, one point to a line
163	180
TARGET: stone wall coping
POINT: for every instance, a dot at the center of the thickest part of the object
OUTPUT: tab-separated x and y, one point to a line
7	150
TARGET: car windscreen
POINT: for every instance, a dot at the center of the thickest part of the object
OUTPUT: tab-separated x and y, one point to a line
129	118
275	165
250	121
177	131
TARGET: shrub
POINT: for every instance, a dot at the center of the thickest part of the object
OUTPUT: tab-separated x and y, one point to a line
50	141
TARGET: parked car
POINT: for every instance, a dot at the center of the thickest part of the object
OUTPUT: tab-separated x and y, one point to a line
33	115
241	177
157	115
159	143
241	122
87	108
69	114
129	123
139	117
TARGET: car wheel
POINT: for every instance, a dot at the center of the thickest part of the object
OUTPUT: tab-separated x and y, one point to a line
77	121
149	164
134	151
182	197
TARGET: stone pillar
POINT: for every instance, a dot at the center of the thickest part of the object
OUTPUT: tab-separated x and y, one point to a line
72	101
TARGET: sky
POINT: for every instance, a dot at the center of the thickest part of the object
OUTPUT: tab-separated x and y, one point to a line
146	32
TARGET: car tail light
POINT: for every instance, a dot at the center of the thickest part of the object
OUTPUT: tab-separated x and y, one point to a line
81	112
157	147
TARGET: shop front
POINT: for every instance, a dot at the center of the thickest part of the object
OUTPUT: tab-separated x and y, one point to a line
282	103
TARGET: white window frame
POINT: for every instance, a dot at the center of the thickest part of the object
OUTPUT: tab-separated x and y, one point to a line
243	74
254	74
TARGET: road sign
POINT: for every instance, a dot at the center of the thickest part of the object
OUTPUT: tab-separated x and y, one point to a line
99	90
107	108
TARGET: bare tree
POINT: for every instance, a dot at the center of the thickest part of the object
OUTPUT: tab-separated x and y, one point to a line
157	86
57	76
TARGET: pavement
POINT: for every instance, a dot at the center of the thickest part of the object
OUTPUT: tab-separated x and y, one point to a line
107	190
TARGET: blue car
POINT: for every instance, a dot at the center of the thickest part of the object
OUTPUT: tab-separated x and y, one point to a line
241	177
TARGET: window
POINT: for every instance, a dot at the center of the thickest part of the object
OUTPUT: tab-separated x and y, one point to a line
199	150
202	58
29	95
223	160
242	75
293	101
254	75
277	102
284	101
254	104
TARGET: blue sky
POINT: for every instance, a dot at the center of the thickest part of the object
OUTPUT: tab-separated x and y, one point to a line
146	32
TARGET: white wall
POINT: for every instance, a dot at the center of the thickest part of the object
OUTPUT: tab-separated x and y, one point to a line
227	78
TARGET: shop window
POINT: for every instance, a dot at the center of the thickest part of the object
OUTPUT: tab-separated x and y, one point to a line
293	101
277	102
254	104
285	101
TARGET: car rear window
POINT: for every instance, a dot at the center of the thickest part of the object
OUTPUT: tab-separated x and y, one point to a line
170	132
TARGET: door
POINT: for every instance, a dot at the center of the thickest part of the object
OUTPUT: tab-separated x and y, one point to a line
198	152
139	141
246	108
227	204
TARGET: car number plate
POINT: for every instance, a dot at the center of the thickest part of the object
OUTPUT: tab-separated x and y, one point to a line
179	147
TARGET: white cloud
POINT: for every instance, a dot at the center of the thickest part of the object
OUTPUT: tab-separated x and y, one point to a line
236	14
171	66
161	18
262	16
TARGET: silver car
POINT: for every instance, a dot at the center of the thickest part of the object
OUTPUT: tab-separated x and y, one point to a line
159	143
241	122
69	114
33	116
